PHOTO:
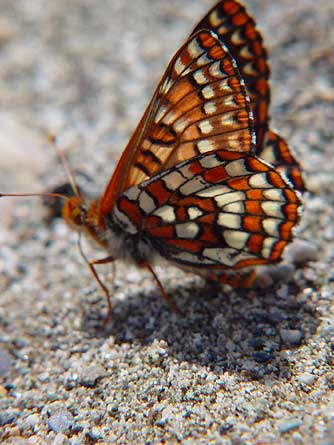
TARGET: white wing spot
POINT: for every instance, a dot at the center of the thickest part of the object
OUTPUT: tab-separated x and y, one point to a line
168	83
180	125
249	70
215	20
210	161
236	238
203	60
205	127
268	154
194	49
173	180
213	191
208	92
274	195
194	212
236	38
194	185
146	202
179	66
268	245
160	113
237	168
235	207
271	226
166	213
132	193
222	30
245	53
273	208
200	77
259	180
187	230
205	145
169	118
230	220
215	70
210	107
227	198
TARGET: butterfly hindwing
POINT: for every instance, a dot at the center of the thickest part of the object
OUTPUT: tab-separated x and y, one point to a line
277	152
220	210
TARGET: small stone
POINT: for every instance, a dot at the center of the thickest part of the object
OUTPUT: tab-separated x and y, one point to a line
96	433
5	362
91	375
36	440
283	291
262	357
291	336
31	421
307	379
60	439
288	425
61	422
300	252
7	418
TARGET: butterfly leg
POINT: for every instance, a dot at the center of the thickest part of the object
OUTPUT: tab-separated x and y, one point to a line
173	306
91	264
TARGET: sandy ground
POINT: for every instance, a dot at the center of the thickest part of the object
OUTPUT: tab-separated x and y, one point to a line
241	367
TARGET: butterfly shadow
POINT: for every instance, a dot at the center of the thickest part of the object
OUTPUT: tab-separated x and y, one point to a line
222	329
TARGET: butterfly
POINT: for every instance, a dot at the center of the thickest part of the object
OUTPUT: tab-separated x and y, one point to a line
203	182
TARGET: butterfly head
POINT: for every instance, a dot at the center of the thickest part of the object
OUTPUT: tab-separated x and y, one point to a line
74	212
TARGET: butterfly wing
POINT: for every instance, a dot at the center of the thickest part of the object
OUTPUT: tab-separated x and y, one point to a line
217	211
277	152
237	30
200	106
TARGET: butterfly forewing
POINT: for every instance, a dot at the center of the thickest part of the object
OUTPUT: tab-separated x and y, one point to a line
199	106
237	30
220	210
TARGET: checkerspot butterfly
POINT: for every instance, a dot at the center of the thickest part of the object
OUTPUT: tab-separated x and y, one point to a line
203	181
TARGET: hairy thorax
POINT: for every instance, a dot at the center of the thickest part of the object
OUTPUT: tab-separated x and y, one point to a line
111	235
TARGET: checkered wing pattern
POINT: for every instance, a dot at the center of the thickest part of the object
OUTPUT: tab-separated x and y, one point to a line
217	211
277	152
200	106
237	30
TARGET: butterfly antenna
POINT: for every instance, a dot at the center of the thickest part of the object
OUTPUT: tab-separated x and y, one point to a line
61	155
51	195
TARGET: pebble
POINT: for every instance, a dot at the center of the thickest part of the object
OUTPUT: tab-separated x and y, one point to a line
291	336
5	362
91	375
61	422
301	252
60	439
307	379
285	426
